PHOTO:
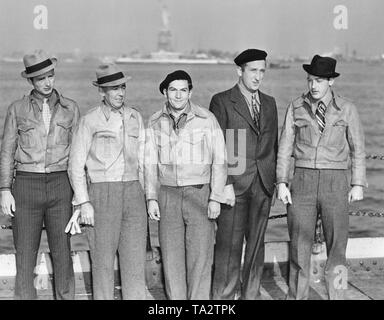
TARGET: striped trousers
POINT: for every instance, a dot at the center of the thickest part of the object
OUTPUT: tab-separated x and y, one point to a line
42	198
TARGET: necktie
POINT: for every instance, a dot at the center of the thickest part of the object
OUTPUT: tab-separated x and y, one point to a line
320	116
256	112
46	114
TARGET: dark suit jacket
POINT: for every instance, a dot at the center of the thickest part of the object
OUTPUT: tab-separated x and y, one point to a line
231	111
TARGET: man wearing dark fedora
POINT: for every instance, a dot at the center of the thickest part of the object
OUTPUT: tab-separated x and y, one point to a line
185	154
251	116
108	147
36	142
321	131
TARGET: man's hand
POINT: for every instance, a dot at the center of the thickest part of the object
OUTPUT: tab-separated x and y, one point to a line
73	224
283	193
355	194
213	209
229	195
7	203
153	210
87	214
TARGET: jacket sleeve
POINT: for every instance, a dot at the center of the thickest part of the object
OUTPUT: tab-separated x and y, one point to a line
285	149
221	115
150	165
355	135
8	149
141	150
81	144
219	163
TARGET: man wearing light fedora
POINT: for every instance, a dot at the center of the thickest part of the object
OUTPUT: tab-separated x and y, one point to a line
185	154
108	147
36	142
321	131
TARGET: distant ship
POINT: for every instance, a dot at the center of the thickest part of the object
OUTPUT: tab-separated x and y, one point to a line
170	57
165	53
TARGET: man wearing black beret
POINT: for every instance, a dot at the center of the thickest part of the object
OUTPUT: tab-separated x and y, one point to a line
251	117
185	153
321	131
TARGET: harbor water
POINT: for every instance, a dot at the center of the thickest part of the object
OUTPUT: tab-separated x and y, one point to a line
359	82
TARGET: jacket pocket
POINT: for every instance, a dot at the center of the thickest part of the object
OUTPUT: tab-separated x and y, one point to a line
337	136
133	139
63	132
26	133
164	149
303	132
195	150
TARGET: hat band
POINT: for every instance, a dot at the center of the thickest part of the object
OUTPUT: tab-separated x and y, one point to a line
110	78
39	66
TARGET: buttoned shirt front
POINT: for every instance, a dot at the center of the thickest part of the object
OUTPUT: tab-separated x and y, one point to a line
108	145
27	146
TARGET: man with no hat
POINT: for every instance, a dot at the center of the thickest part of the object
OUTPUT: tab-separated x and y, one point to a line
185	153
36	143
249	118
108	147
321	131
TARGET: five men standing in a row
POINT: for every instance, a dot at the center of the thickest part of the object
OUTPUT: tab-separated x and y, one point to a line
180	170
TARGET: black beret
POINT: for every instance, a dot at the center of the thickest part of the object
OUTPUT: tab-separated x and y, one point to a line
176	75
250	55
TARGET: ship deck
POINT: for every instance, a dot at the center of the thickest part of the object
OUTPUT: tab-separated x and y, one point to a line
365	273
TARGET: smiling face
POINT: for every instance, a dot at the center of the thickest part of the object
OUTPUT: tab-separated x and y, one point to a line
251	74
114	95
318	87
44	83
178	94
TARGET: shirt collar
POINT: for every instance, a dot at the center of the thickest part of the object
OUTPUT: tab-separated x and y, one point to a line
38	98
107	109
247	94
167	110
328	100
193	111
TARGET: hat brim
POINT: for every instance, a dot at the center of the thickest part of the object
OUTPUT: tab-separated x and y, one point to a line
308	69
41	71
112	83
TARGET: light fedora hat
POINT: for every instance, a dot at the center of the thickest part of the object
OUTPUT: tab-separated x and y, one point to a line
109	75
37	63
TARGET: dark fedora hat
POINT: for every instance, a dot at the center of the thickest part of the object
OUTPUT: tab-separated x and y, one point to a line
109	75
250	55
176	75
323	67
37	63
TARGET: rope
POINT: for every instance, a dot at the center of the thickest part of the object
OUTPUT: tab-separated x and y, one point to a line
358	213
374	156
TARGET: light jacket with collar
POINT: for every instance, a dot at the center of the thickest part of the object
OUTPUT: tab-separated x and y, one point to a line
26	145
342	139
196	155
108	147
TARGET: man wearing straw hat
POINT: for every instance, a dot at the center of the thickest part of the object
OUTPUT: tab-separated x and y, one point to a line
321	131
108	146
36	142
185	154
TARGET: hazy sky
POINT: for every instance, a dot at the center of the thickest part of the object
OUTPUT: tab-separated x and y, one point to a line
281	27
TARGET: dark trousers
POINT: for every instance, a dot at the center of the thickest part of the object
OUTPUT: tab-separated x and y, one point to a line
120	227
313	191
248	218
186	240
42	198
